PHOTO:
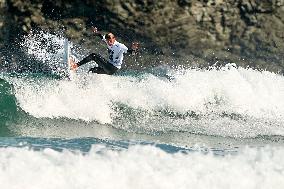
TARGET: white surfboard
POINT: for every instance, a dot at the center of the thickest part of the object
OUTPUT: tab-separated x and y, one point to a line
66	59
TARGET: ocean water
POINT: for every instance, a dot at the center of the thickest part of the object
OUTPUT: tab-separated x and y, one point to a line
157	128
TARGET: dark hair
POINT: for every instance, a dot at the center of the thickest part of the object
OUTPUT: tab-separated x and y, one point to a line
109	36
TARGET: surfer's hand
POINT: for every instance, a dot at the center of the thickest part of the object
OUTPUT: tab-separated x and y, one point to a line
135	46
95	29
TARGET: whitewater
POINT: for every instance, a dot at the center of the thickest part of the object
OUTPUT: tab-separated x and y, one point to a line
163	127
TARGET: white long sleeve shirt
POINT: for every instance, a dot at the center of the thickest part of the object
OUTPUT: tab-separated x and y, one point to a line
116	53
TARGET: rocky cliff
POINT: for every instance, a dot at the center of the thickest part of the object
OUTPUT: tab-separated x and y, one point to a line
248	32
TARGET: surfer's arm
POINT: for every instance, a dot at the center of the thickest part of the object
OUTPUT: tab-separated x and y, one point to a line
99	35
131	51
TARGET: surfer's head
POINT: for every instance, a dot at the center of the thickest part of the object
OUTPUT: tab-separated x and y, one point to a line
110	38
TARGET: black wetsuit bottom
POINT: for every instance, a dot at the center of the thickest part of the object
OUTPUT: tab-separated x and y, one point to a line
104	66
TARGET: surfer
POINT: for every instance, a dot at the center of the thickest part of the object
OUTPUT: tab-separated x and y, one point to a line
115	59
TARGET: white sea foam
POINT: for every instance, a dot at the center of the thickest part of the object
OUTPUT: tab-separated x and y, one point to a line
140	167
55	99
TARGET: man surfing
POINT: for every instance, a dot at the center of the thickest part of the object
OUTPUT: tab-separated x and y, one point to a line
115	60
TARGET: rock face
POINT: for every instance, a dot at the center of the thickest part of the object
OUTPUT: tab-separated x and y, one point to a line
210	30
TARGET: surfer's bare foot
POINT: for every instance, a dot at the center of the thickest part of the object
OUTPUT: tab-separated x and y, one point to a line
73	65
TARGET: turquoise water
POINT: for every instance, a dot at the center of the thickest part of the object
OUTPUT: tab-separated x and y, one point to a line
156	128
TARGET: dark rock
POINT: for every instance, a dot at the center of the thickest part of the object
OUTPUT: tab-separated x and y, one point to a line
250	29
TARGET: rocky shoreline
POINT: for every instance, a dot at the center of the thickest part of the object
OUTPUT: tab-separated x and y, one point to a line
190	32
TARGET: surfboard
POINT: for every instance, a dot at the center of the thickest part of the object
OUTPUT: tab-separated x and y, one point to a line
66	58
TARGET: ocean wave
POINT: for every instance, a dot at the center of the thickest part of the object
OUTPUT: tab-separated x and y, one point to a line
227	102
233	102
